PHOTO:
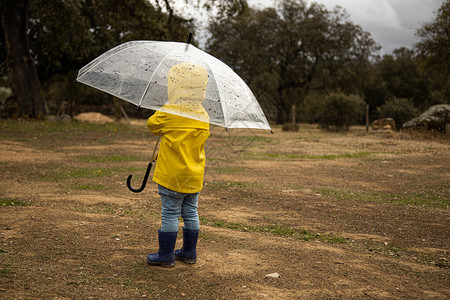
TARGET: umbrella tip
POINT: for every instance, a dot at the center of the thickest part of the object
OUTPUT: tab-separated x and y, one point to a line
189	38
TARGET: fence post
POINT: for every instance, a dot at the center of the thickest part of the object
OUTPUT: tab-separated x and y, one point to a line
367	118
293	118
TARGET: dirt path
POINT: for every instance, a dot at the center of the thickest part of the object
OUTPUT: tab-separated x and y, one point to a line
337	216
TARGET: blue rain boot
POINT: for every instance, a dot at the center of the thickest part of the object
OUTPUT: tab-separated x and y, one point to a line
188	252
164	257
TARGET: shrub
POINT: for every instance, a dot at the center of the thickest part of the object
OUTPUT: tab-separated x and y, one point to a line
399	109
311	108
340	111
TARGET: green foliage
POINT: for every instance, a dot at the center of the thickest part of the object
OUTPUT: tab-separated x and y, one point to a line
284	53
225	9
402	78
63	36
339	111
311	108
434	49
399	109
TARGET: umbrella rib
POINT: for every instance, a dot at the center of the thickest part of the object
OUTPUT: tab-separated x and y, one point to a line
221	102
153	75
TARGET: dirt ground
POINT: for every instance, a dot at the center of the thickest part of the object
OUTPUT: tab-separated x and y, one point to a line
334	215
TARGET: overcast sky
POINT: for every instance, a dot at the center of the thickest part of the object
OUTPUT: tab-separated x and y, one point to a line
392	23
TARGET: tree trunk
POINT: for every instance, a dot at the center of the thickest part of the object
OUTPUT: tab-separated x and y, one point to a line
281	108
294	122
26	82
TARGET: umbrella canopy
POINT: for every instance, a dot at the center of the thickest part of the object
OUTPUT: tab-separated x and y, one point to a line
150	74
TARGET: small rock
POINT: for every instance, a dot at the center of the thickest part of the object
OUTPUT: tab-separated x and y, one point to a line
273	275
183	294
385	124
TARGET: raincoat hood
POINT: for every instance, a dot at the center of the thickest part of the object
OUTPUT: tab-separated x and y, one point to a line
186	87
187	83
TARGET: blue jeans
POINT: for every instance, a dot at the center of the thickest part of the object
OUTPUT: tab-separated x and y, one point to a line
174	204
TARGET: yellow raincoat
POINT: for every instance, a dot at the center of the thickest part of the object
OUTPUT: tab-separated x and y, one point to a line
181	159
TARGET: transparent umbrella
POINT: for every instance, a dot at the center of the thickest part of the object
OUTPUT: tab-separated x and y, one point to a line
137	72
176	78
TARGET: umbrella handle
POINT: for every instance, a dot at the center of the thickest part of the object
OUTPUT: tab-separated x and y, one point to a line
149	167
144	182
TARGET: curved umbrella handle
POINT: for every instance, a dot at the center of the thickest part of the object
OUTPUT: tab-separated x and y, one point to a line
149	167
144	182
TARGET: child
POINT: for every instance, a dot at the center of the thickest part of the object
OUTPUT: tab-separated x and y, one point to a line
181	162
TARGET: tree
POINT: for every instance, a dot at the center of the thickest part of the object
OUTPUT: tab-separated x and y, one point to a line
225	8
339	111
284	53
434	49
26	82
65	35
402	77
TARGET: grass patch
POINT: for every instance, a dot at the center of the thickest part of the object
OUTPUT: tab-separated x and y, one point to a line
221	185
435	199
276	230
49	135
91	187
106	159
80	173
384	249
6	271
13	202
67	172
269	156
230	169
